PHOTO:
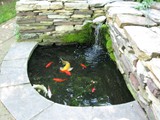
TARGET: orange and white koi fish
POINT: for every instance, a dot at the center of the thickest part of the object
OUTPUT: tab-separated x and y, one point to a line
49	64
59	79
66	72
49	93
83	66
66	67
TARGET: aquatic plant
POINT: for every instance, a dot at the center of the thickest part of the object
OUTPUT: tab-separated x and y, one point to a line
82	36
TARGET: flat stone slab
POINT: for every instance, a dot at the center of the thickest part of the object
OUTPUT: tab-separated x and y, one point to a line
113	11
154	66
23	102
145	42
153	14
121	4
128	111
20	50
128	20
100	3
12	79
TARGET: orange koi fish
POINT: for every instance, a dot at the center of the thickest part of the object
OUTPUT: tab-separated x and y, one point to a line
83	66
49	64
59	79
93	90
66	72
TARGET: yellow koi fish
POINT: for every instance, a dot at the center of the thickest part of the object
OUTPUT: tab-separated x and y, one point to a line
67	66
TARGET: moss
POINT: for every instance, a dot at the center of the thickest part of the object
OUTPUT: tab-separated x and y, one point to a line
107	41
82	36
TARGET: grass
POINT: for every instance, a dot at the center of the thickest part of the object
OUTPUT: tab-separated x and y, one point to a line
7	11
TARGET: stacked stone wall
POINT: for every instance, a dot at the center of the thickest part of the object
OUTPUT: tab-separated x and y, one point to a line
43	21
136	41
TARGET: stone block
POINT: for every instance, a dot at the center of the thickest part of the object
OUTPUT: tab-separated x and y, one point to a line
64	28
64	12
43	5
78	16
113	11
76	5
153	88
156	110
100	19
153	14
155	5
152	97
128	20
122	4
134	81
145	46
26	6
56	5
78	27
58	16
83	12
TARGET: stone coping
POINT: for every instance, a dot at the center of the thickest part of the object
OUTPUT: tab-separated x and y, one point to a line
25	103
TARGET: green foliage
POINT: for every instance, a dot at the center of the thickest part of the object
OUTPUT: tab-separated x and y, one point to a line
17	34
7	11
107	41
82	36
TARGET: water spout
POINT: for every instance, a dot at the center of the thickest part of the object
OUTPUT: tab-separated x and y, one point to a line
92	53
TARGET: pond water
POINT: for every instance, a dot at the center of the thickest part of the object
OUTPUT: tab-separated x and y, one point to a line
93	81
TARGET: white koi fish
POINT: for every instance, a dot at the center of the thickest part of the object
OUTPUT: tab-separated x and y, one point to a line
40	88
49	92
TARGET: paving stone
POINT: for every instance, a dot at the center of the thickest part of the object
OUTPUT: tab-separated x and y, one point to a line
20	50
128	20
12	79
62	112
113	11
144	41
19	63
121	4
125	111
23	101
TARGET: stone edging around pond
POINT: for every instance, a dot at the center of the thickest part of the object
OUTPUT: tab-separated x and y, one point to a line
25	103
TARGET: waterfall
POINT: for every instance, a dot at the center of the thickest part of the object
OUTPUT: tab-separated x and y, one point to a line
92	53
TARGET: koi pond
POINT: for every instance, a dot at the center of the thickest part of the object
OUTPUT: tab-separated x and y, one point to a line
77	76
